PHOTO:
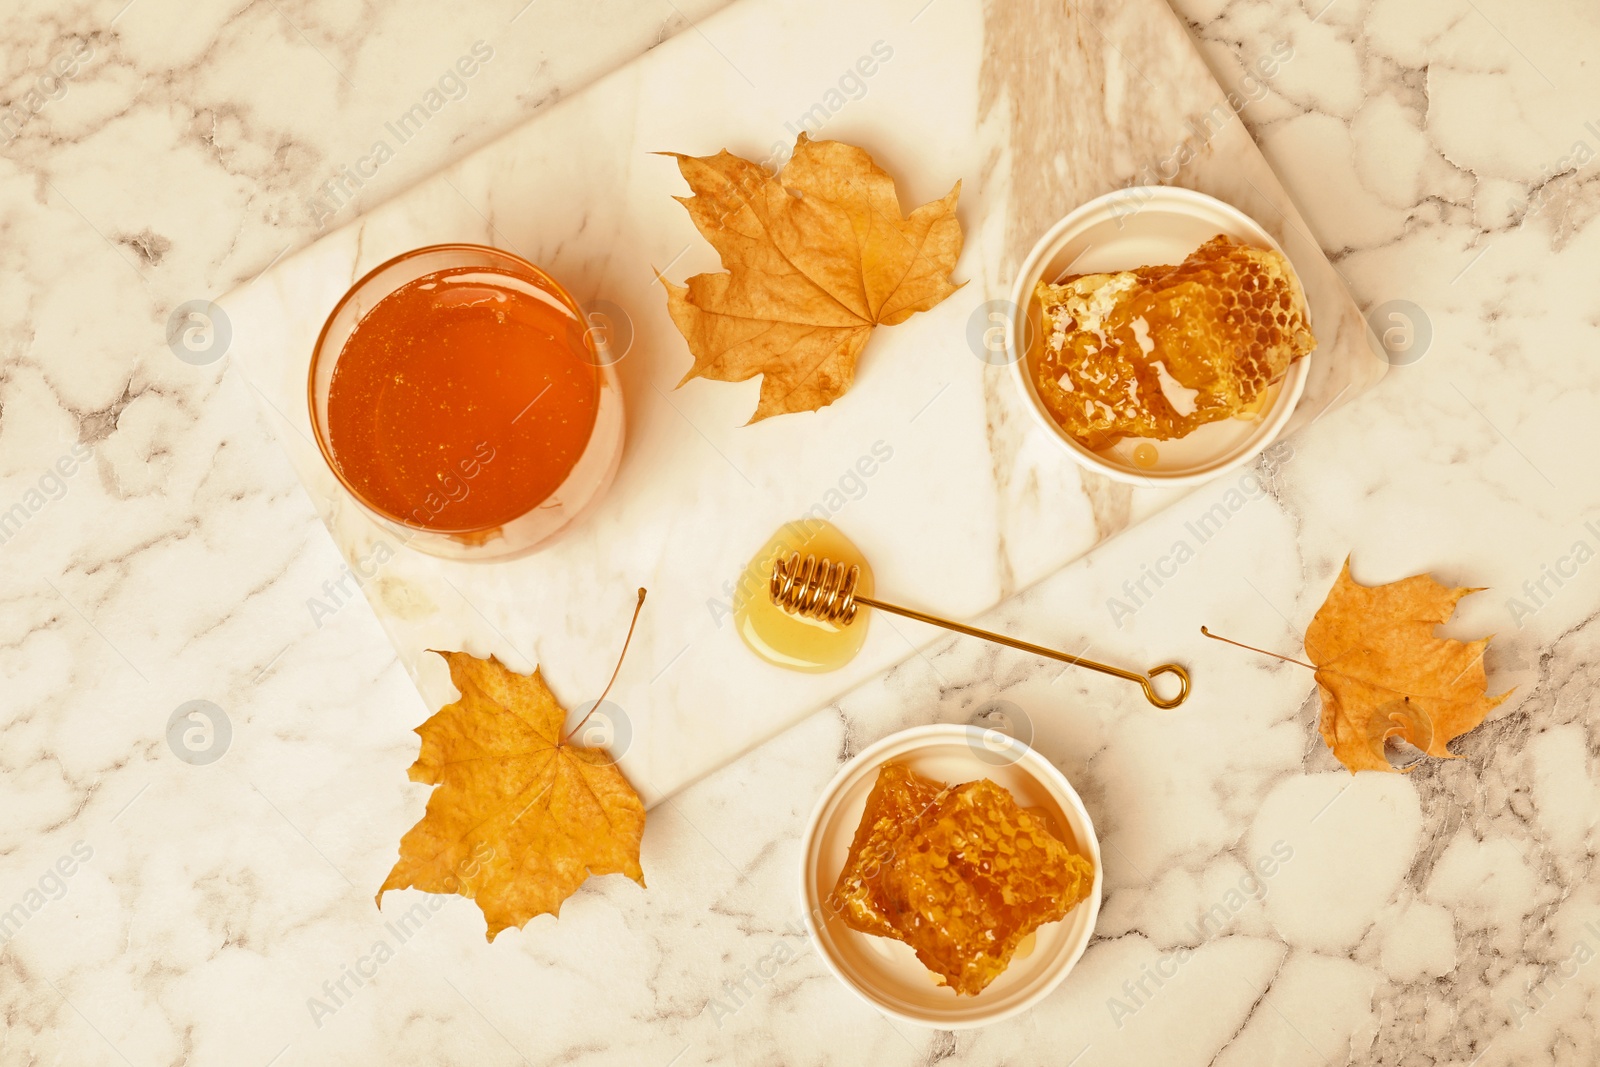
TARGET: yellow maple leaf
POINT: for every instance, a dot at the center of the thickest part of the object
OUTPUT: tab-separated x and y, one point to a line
521	816
815	257
1382	673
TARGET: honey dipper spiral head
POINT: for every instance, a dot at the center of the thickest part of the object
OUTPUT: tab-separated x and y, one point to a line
815	588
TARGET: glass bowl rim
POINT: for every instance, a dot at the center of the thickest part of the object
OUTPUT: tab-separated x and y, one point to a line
318	350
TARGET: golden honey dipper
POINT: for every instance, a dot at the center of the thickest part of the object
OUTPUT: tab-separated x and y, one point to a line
826	591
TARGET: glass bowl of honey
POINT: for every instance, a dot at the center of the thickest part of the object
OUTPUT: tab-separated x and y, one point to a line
460	395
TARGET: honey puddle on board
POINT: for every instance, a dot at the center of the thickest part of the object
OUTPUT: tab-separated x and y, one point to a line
790	641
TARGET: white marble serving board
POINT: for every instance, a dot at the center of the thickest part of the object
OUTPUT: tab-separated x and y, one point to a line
1034	112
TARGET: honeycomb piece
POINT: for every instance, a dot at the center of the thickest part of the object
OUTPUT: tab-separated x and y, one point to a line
898	801
1158	351
973	878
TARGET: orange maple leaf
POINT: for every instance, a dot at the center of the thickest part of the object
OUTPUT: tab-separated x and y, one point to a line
816	256
1382	673
521	816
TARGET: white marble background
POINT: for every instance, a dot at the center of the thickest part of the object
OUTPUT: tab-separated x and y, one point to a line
1434	149
971	500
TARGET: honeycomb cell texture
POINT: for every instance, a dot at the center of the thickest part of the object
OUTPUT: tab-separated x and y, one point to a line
1158	351
963	877
900	798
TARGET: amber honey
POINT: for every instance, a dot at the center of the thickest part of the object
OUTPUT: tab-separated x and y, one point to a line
1255	409
794	641
964	875
462	399
1159	351
899	799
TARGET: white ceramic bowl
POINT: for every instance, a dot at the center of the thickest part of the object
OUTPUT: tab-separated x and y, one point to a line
886	973
1129	228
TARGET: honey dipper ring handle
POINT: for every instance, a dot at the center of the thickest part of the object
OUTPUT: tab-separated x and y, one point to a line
1159	701
823	590
1143	680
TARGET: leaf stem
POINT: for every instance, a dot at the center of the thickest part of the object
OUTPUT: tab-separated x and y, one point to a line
1253	648
638	607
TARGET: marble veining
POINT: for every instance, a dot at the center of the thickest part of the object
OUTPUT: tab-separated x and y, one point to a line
158	550
698	492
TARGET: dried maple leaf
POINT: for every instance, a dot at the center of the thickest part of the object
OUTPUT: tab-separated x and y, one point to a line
1382	673
521	816
815	257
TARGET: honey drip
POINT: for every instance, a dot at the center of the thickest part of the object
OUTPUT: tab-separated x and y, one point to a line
1253	411
800	644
